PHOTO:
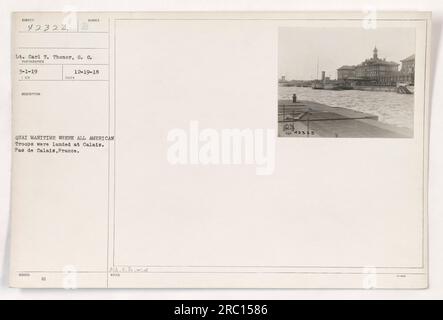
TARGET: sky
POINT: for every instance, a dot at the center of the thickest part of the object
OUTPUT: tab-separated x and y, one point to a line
299	48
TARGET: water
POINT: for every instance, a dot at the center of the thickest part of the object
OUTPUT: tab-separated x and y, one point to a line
390	107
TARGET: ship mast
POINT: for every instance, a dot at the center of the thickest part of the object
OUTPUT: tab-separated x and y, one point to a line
317	66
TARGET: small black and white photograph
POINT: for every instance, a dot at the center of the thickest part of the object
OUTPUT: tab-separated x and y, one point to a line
346	82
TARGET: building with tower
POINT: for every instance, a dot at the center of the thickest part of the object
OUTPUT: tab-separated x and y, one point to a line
378	71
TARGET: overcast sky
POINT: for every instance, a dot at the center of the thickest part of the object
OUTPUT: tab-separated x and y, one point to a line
299	48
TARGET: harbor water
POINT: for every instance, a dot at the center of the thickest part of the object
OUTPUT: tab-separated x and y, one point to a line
391	107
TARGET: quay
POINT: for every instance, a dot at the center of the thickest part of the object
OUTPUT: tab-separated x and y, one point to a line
312	119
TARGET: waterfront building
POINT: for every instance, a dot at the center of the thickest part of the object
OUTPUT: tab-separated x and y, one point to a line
407	70
345	72
282	79
408	64
378	71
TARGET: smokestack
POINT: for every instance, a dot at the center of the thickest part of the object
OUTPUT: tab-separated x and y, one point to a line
323	75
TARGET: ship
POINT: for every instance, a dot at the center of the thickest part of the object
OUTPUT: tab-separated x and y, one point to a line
327	84
317	85
331	86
